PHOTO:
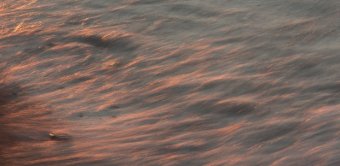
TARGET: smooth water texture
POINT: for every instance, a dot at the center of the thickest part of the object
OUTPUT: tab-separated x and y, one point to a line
170	82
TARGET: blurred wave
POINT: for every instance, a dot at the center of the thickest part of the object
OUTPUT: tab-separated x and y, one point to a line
167	82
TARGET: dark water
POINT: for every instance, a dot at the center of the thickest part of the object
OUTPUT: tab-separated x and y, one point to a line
170	82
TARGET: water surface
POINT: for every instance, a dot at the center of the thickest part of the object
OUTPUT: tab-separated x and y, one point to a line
170	82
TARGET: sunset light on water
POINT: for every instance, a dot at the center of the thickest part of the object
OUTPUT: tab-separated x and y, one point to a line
170	82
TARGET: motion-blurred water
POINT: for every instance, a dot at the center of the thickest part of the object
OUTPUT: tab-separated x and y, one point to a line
170	82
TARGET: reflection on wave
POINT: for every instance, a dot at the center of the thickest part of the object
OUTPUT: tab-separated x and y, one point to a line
150	82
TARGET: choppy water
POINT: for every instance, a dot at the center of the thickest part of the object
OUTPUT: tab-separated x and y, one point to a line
170	82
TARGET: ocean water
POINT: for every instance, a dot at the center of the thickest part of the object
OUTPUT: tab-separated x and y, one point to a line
170	82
